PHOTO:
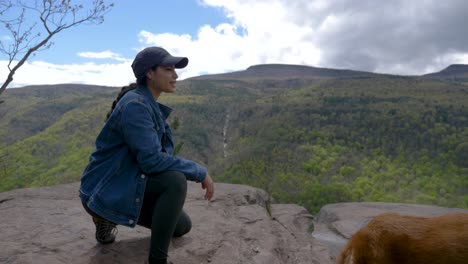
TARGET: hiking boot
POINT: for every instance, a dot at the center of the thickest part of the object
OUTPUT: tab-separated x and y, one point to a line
106	231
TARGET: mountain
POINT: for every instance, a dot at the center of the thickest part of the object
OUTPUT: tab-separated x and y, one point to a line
333	136
31	109
285	71
454	73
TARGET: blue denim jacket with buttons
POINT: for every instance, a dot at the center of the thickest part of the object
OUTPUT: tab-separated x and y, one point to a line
135	143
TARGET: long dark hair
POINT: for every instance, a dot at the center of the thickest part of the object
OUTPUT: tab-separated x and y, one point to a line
122	92
125	89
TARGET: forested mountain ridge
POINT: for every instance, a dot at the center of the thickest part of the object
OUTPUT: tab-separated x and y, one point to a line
285	71
308	139
32	109
454	72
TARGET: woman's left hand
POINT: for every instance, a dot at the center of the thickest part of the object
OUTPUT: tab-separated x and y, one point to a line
208	184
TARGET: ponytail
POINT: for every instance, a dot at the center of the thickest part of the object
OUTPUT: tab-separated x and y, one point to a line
122	92
140	81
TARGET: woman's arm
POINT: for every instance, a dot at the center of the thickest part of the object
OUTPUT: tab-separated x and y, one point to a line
140	134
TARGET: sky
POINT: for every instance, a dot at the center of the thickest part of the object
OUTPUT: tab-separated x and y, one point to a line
385	36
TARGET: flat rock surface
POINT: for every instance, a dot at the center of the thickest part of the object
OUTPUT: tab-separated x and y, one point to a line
49	225
336	223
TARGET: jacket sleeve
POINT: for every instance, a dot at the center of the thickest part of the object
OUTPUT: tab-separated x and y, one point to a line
139	132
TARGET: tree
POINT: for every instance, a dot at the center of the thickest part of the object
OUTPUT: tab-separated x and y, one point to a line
461	154
32	25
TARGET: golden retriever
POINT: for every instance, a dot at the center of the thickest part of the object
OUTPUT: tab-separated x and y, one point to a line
391	238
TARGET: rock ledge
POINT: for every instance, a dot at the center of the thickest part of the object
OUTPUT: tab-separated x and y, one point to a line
49	225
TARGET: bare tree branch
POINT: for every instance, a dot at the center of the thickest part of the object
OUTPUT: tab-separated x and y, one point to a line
51	17
4	6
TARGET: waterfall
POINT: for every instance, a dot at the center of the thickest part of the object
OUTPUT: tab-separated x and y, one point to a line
225	128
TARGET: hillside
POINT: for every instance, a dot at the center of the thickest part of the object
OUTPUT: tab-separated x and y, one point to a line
333	136
47	132
454	73
30	110
284	71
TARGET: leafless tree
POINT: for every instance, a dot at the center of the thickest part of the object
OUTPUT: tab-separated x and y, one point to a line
32	25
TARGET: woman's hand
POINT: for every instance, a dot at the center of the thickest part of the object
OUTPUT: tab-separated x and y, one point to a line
208	184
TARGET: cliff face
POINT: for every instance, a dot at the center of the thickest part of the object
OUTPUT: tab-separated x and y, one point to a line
49	225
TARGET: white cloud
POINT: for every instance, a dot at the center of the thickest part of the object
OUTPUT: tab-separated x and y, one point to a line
5	38
399	37
101	55
260	33
39	72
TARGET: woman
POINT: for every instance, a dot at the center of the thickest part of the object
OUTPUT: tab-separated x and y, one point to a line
132	177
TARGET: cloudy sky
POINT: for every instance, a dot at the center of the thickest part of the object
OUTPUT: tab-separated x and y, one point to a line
386	36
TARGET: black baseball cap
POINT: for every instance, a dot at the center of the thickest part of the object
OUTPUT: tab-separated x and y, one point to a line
152	56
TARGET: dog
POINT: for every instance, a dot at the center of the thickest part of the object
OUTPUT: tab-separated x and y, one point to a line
391	238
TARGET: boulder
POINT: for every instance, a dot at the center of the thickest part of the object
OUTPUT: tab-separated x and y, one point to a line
49	225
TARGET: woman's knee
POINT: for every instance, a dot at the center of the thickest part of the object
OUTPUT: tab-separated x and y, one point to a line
176	181
184	225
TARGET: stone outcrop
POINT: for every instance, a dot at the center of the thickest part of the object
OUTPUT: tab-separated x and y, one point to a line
49	225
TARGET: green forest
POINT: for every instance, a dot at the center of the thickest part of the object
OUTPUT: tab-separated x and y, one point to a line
305	140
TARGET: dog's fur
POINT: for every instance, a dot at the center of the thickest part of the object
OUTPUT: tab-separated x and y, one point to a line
391	238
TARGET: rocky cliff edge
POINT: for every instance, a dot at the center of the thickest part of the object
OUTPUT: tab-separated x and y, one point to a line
49	225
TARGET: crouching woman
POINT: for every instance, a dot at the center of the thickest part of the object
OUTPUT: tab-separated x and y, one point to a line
132	176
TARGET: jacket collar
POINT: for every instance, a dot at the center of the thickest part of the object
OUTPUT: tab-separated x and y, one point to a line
164	110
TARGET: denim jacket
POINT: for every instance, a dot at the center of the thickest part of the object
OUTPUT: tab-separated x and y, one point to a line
135	143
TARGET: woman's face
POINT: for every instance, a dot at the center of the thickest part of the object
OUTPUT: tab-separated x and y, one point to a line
162	79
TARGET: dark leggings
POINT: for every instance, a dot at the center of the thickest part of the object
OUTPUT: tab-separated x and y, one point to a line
162	211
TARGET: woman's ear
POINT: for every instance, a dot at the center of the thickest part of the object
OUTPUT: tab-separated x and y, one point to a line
149	74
